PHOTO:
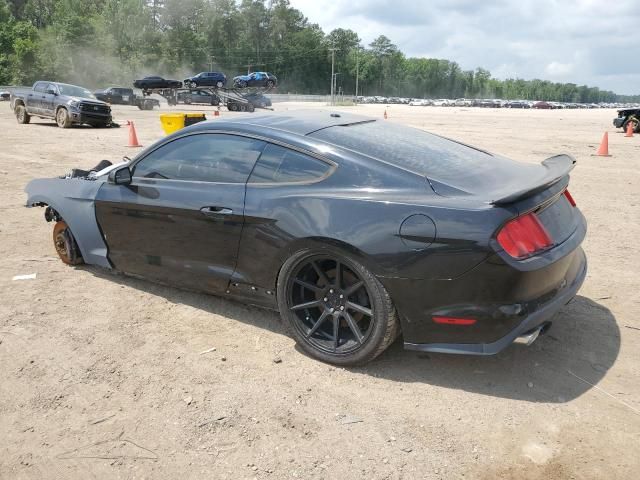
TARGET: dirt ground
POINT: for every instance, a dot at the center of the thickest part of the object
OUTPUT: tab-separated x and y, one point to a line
104	376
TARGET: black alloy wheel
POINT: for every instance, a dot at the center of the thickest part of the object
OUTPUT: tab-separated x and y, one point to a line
336	309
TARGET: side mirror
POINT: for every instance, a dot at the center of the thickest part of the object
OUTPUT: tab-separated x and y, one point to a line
120	176
51	91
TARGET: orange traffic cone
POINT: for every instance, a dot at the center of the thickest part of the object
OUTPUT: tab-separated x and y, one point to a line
133	138
629	130
385	114
603	151
216	113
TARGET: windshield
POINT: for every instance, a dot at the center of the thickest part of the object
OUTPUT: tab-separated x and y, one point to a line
73	91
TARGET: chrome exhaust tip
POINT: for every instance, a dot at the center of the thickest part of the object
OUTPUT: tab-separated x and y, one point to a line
532	335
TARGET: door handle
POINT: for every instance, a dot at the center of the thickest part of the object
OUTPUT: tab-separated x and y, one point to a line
213	211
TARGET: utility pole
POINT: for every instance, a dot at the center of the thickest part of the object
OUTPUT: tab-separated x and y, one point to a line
333	58
335	84
211	59
357	71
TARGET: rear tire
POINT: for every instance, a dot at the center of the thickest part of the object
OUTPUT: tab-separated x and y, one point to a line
21	114
62	118
633	121
65	244
347	317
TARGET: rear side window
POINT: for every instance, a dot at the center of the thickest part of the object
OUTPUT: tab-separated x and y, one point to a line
423	153
282	165
202	157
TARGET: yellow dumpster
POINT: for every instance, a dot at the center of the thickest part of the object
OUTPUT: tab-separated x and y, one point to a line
172	122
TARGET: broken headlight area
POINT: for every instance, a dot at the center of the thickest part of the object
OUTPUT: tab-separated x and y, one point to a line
88	174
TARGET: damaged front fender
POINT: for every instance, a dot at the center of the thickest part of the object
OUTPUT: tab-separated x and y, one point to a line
73	201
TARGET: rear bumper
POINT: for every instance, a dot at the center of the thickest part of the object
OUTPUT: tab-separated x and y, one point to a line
529	324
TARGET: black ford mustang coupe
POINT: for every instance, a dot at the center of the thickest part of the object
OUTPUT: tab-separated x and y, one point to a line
356	230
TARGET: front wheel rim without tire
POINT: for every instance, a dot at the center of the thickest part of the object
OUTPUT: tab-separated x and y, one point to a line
64	244
331	305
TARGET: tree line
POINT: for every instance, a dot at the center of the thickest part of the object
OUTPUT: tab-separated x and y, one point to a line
96	43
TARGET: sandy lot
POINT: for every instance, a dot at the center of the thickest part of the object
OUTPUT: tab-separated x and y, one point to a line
101	375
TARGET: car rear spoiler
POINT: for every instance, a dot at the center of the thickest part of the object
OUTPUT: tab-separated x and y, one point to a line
557	168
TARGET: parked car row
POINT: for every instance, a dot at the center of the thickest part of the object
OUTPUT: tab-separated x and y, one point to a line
208	79
487	103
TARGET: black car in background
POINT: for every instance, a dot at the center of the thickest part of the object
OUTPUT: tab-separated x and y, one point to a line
154	82
355	229
115	95
517	104
258	100
198	97
255	79
126	96
206	79
628	116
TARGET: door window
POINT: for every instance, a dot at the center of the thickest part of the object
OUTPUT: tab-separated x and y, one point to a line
202	157
40	87
282	165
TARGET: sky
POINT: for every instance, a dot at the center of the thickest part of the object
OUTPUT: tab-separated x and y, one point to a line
592	42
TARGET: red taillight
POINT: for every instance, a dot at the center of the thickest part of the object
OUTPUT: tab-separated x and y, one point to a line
524	236
570	198
454	320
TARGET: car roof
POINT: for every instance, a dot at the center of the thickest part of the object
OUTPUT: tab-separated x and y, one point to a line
300	122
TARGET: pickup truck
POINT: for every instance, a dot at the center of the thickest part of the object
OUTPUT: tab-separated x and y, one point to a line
125	96
67	104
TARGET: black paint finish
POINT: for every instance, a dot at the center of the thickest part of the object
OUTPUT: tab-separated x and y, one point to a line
434	249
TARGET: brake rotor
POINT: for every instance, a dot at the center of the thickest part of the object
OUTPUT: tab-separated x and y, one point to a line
65	244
